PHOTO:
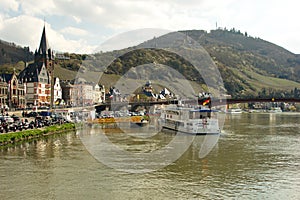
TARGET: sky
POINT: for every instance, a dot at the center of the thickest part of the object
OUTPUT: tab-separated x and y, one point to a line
81	26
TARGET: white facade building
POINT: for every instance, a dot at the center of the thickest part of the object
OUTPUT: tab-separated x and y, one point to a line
57	91
99	94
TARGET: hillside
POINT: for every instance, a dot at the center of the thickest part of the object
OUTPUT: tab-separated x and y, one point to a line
248	66
235	49
11	53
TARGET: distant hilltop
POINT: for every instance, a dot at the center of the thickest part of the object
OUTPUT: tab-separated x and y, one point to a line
249	66
12	53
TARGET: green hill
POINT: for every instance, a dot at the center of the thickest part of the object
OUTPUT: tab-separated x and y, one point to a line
249	66
11	53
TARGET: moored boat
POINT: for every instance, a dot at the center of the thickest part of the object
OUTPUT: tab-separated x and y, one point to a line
196	121
234	111
142	123
275	110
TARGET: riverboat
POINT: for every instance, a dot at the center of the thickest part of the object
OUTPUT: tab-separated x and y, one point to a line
196	121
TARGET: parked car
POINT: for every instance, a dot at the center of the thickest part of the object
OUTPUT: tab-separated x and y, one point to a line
12	127
47	122
31	125
19	126
8	119
44	107
32	114
39	124
15	118
25	125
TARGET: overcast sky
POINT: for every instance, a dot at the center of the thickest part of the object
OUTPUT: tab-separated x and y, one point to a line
82	25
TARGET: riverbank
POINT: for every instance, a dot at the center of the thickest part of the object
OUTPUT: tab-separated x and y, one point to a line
16	137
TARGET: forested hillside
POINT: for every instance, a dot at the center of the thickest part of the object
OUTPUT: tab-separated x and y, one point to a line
249	66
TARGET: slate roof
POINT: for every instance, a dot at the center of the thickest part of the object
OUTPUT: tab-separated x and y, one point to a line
66	83
31	72
5	77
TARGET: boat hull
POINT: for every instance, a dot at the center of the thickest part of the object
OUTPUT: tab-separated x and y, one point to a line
193	127
192	133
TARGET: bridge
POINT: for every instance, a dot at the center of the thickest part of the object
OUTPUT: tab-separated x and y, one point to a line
255	100
214	102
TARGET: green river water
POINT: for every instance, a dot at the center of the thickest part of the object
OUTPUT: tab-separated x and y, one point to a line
257	156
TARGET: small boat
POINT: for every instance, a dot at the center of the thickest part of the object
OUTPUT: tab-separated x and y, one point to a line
275	110
196	121
234	111
142	123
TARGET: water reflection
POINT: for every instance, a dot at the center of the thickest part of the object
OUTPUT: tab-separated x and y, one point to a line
131	153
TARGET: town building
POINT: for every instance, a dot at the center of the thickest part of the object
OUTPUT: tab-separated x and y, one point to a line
12	91
85	92
80	92
3	94
38	75
68	92
99	94
57	92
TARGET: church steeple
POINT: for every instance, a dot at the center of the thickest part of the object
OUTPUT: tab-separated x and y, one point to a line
44	54
44	45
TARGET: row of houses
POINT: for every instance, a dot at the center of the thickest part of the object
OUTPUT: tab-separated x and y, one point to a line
79	93
14	93
37	86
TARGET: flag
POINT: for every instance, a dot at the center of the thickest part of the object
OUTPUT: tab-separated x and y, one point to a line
207	101
204	101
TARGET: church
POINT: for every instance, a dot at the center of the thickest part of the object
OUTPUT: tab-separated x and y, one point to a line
38	76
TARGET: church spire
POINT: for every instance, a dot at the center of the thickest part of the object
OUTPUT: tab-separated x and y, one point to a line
44	54
44	45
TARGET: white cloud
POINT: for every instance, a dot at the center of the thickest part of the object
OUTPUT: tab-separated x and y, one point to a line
60	43
270	20
13	30
8	5
74	31
80	9
1	22
27	30
33	7
77	19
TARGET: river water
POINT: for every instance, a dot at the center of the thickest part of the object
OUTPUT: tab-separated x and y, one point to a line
257	156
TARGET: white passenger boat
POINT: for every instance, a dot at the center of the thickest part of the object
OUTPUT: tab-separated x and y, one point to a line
197	121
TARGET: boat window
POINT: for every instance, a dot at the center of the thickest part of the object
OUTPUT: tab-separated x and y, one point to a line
180	123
